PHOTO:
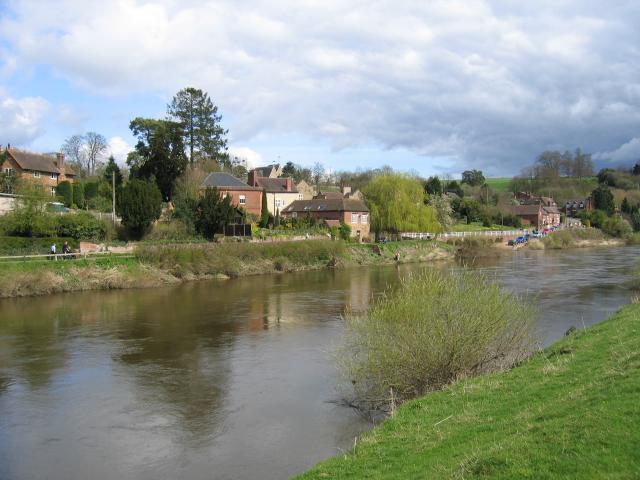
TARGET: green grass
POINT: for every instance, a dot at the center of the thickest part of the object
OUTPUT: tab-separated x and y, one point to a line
477	227
570	411
499	184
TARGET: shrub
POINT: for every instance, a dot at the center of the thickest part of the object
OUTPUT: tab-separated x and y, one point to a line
616	227
345	231
33	246
65	190
436	327
81	225
90	190
174	230
140	205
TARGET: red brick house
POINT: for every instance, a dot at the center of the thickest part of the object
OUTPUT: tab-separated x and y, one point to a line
538	216
40	169
342	210
242	195
280	191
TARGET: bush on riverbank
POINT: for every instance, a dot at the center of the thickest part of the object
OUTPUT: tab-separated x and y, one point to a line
571	237
33	246
436	327
234	259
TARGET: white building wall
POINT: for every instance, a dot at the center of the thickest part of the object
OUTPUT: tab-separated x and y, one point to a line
280	200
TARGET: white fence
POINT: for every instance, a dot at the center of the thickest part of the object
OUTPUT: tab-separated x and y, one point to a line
481	233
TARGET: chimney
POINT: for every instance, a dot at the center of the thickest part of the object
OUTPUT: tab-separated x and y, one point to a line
346	189
60	160
289	184
252	180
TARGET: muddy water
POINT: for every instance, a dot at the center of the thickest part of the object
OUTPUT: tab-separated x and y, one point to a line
224	379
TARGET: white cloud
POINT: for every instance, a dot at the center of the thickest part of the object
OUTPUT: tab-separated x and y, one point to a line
119	148
488	83
624	154
253	158
21	119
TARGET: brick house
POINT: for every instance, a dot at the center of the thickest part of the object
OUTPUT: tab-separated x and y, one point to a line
341	210
40	169
537	215
280	191
242	195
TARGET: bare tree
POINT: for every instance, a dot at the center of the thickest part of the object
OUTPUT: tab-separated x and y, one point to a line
318	173
73	148
96	145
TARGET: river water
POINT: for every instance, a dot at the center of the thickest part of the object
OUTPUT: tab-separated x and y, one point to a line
225	379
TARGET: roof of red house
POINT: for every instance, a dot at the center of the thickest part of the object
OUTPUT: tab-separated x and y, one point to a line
226	181
38	162
275	185
327	205
525	209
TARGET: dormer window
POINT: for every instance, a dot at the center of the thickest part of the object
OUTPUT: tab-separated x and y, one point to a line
36	174
54	176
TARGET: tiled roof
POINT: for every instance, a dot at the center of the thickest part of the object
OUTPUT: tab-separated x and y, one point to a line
275	185
327	205
329	195
224	180
525	209
38	162
267	171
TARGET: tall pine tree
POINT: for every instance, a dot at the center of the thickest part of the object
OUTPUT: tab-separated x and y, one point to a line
201	130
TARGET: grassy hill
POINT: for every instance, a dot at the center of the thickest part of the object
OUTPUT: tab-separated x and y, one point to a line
571	411
499	184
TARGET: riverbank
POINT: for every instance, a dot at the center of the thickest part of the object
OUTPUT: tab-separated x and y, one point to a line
569	411
155	266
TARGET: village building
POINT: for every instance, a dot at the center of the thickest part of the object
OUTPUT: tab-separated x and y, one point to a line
307	191
334	211
573	207
537	215
527	198
46	170
270	171
280	192
243	196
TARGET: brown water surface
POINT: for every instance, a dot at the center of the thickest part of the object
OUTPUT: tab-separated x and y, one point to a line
224	379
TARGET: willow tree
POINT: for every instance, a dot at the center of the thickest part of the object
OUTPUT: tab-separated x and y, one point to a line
397	205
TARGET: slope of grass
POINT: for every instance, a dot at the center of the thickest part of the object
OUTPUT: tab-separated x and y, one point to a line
570	411
477	227
499	184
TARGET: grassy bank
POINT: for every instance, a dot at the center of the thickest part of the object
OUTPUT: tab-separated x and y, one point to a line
157	265
568	412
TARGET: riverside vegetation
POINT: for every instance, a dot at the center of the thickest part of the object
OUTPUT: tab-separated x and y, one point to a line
155	265
569	411
436	327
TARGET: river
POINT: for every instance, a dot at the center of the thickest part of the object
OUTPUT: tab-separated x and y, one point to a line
225	379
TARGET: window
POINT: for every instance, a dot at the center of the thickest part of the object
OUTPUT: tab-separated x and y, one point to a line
53	191
299	196
307	207
36	174
294	214
354	218
53	176
364	219
8	171
243	199
279	202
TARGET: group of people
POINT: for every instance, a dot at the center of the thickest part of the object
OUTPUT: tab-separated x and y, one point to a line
66	250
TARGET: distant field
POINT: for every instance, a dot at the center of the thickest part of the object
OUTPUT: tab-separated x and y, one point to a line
476	227
500	184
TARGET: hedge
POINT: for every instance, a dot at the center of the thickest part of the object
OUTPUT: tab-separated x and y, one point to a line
33	245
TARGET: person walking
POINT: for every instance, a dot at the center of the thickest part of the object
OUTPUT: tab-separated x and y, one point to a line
52	251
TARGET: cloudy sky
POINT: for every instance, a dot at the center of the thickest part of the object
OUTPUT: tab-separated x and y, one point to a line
432	86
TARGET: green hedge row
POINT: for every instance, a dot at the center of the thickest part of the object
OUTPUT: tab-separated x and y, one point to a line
33	245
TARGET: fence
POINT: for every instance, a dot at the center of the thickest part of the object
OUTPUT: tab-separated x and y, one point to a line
61	256
481	233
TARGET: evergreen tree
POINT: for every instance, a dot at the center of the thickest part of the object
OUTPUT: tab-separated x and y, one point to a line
603	200
625	206
78	195
65	190
213	213
140	205
200	125
433	186
264	219
110	169
160	153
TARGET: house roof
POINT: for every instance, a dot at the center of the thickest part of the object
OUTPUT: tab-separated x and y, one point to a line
525	209
38	162
327	205
551	209
224	180
329	195
267	171
275	185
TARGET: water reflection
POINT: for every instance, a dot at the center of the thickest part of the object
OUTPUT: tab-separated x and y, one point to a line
224	379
